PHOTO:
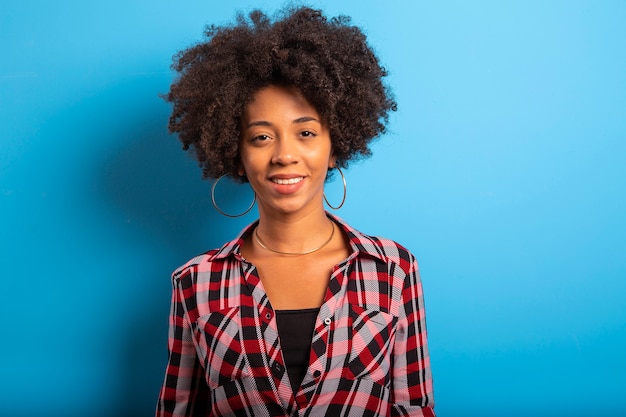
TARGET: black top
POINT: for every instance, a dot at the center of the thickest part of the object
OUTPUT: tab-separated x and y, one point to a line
295	330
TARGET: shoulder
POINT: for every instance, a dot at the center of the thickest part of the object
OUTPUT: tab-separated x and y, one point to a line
213	260
379	248
389	251
198	263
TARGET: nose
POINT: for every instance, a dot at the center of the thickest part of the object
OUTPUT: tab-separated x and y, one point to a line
285	151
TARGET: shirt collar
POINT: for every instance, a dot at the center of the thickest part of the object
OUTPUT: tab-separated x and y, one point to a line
361	244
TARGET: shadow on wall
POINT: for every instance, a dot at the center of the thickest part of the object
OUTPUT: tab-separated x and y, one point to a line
123	206
157	191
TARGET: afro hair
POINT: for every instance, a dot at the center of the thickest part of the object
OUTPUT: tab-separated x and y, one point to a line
327	60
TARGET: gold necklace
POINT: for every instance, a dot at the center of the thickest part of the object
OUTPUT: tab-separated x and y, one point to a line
260	242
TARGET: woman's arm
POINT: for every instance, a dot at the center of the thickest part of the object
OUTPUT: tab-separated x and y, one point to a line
184	392
412	387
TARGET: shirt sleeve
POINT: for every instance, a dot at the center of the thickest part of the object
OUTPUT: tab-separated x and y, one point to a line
412	387
184	392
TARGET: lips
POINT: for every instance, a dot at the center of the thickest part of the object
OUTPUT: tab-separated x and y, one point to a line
287	184
286	181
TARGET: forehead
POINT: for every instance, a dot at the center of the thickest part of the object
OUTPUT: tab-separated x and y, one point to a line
279	102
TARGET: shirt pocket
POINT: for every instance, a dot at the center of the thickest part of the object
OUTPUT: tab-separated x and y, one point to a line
220	348
373	333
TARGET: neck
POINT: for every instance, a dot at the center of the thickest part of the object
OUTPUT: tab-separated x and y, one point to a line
295	233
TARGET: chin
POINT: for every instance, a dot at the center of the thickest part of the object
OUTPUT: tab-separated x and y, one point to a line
289	207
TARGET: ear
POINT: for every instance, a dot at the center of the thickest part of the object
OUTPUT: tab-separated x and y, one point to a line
332	161
240	170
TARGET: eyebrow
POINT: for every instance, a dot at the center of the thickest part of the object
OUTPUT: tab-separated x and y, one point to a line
303	119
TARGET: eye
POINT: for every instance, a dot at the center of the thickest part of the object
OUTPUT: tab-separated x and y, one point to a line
308	134
260	138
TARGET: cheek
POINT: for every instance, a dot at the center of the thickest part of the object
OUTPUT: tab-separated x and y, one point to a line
250	164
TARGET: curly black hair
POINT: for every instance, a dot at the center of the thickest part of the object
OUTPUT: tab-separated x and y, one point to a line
328	60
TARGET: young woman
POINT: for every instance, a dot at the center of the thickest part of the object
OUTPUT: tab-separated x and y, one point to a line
299	315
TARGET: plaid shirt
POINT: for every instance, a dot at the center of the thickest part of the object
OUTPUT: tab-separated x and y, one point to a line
369	355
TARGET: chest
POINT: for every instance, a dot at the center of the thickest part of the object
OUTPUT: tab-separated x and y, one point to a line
240	346
292	284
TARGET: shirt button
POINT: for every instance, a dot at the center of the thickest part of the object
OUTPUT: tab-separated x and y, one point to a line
327	321
317	374
278	369
268	315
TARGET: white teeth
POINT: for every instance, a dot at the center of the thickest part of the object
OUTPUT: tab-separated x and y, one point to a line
287	181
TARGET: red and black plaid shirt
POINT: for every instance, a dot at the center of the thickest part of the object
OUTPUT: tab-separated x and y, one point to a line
369	355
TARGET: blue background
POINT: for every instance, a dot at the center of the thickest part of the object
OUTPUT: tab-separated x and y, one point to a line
503	171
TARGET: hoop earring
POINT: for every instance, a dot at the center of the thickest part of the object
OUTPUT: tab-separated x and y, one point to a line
345	189
223	213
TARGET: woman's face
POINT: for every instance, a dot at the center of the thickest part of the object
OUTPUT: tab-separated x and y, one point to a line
285	151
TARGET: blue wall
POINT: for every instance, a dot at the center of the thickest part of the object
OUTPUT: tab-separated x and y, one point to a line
503	171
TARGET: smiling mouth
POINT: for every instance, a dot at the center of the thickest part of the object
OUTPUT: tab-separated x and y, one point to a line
287	181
